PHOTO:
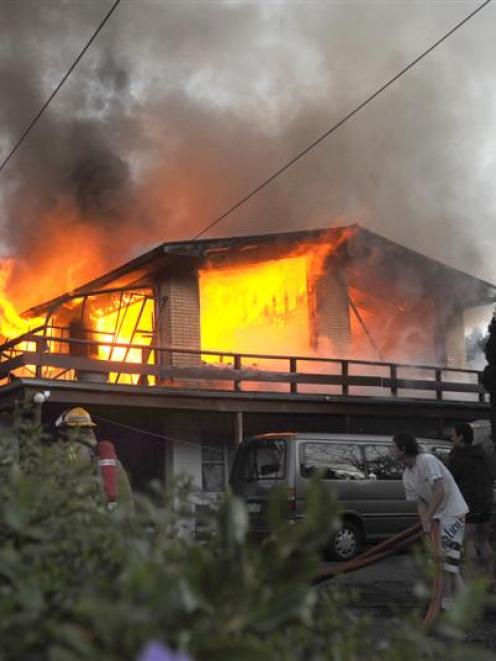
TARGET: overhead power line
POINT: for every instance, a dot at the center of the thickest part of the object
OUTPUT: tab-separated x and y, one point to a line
52	95
152	434
325	135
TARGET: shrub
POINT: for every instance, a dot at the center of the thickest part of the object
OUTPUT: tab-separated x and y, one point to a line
79	582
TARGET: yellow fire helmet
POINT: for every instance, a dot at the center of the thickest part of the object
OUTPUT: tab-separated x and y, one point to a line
76	417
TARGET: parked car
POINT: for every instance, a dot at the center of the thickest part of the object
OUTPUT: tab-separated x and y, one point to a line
357	467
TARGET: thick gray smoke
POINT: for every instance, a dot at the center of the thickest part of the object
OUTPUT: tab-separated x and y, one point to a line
180	108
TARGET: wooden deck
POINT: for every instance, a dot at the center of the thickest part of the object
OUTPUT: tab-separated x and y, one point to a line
165	378
38	356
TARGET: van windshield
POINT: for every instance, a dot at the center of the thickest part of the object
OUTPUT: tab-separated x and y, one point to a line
260	460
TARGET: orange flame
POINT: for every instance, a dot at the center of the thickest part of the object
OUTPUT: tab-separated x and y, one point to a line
11	323
74	253
129	322
263	307
258	307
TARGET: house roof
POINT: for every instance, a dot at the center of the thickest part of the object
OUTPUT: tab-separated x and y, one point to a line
360	246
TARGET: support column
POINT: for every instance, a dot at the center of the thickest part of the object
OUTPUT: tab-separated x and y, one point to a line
177	314
238	427
329	311
451	340
183	432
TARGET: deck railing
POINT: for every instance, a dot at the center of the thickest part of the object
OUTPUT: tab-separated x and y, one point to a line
51	354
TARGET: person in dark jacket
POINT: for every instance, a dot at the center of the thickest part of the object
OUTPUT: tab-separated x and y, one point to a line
468	465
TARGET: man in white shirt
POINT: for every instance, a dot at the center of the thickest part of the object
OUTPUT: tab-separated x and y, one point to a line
442	511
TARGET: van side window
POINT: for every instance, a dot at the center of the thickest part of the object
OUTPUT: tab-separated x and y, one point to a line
335	461
381	465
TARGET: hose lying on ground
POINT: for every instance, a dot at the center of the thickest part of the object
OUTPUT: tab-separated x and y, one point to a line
376	553
385	549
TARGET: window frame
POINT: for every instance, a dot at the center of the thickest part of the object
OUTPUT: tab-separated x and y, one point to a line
222	461
249	447
370	470
334	443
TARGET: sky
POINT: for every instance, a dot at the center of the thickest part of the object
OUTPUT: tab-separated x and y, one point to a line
180	108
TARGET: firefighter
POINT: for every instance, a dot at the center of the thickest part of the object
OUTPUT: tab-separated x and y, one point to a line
76	428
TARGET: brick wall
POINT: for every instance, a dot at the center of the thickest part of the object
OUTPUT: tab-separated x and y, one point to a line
177	311
329	312
455	352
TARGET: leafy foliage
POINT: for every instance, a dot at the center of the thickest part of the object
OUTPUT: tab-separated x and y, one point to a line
79	583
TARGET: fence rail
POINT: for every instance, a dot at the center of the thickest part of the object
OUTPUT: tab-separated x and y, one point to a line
50	353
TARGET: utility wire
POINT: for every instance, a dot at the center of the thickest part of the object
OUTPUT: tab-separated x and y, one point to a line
152	434
340	123
48	101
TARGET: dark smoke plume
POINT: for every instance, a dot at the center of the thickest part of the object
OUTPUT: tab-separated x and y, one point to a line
179	109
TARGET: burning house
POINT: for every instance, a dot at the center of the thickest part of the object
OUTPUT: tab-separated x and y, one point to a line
181	351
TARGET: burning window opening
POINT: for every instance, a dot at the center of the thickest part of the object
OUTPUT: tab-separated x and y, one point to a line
128	320
269	307
257	308
102	320
91	327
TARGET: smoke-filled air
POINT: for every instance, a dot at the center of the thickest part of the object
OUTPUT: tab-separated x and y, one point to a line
178	109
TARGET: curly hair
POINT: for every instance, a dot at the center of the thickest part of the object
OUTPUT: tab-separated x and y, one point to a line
407	443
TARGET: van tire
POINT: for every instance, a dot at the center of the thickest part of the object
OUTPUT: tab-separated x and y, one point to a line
346	542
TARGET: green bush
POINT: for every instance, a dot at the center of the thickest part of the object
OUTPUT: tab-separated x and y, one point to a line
79	582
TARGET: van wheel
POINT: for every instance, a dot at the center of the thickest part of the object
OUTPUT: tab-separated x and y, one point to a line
346	542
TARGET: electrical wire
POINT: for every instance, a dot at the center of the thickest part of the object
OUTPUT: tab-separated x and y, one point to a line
52	95
338	124
162	437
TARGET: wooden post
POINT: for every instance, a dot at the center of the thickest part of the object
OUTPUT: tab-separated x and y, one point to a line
345	373
237	366
394	379
238	427
439	392
293	368
482	394
145	356
39	350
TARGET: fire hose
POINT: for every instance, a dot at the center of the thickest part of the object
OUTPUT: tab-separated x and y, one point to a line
384	549
373	555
